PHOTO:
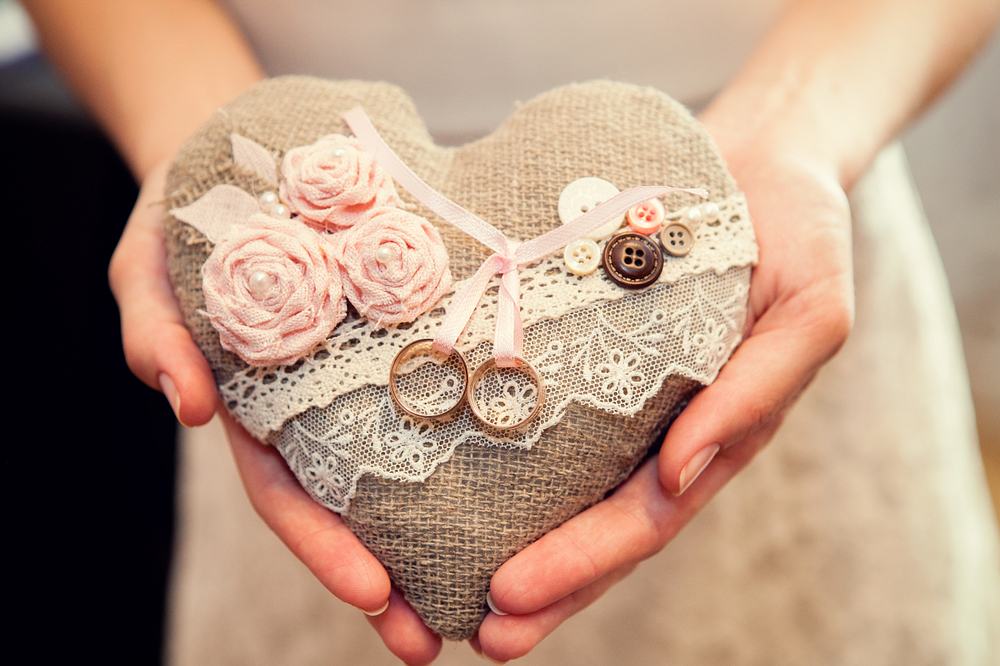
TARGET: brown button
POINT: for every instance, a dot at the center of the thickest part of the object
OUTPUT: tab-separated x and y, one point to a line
632	260
677	239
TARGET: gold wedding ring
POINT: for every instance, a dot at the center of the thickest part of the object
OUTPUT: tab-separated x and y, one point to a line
423	349
486	366
411	352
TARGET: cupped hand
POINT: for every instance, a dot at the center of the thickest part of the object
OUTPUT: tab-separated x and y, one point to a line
160	351
321	540
800	312
158	348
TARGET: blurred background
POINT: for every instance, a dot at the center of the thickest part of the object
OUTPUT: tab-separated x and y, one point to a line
118	436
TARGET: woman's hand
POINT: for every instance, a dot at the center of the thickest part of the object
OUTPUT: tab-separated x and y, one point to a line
321	540
158	348
160	351
801	310
831	84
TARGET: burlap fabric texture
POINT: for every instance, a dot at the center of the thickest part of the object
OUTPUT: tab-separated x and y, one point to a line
442	540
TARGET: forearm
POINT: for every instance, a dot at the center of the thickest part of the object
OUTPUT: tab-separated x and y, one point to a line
835	80
151	72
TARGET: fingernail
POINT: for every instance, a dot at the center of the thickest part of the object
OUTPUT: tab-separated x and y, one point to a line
694	467
381	610
170	391
489	602
492	660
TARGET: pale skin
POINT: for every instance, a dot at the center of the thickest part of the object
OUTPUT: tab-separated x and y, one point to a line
831	84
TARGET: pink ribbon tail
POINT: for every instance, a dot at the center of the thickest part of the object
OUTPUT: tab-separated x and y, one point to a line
508	340
464	303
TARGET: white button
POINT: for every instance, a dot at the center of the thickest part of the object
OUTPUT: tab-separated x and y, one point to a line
582	256
583	195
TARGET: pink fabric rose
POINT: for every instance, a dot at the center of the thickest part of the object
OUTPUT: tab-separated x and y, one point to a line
334	183
394	266
272	290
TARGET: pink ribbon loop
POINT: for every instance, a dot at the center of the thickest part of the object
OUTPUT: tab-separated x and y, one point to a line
507	255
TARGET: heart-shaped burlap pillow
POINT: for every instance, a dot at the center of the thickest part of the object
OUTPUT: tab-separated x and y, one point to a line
443	502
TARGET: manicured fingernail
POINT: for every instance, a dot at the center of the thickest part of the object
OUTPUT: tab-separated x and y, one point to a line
381	610
694	467
170	391
493	661
489	602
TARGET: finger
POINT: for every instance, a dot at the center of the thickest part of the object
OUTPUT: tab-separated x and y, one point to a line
502	638
632	524
475	644
757	386
405	634
317	536
158	347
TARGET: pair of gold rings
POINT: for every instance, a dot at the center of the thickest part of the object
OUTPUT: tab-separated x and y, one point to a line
502	413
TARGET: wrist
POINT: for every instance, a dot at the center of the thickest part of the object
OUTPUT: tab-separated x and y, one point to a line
836	80
756	123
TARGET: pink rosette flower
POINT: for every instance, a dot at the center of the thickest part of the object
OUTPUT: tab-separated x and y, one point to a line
394	266
334	183
273	290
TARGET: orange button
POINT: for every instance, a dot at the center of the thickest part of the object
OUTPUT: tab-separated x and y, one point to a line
647	217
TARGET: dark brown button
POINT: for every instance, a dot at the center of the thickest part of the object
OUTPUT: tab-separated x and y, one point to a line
632	260
677	238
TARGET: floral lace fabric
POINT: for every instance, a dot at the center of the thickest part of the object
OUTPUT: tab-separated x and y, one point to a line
613	355
356	356
591	341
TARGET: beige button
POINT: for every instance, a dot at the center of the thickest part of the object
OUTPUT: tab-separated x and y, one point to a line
677	239
583	195
582	256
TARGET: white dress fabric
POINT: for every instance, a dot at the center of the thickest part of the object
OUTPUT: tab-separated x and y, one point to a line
466	63
863	534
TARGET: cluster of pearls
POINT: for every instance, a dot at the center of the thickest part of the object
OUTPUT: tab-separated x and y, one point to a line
271	204
260	283
709	212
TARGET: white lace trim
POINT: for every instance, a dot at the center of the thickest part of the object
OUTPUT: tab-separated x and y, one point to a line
356	355
612	355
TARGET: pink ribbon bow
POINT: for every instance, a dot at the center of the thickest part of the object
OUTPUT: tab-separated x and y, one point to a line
507	254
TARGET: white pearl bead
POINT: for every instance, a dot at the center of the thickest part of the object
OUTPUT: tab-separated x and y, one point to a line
693	216
280	211
259	283
267	200
339	152
711	212
386	253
